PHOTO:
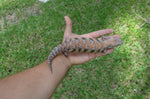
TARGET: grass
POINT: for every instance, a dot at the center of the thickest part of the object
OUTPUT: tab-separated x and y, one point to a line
26	40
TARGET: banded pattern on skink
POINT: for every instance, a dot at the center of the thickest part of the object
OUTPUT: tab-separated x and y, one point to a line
83	45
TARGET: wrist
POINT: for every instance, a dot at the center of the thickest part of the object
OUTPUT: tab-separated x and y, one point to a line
63	61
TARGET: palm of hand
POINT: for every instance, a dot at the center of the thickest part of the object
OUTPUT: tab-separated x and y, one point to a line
80	58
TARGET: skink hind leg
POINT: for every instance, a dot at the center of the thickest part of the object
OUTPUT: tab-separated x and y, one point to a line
66	54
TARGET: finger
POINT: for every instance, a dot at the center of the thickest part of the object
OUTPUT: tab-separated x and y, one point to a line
68	29
99	33
94	55
74	35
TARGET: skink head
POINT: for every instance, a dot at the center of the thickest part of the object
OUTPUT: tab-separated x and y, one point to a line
112	42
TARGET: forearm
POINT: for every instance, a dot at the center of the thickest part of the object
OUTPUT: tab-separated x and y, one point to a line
37	82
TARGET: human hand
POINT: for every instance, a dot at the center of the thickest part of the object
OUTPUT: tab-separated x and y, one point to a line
80	58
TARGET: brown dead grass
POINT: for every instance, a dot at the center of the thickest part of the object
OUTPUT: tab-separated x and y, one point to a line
18	15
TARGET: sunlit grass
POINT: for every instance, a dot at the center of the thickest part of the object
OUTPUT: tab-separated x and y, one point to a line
122	74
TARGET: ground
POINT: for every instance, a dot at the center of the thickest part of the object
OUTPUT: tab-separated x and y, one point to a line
29	30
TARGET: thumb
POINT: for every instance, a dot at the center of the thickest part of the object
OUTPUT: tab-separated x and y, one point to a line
68	29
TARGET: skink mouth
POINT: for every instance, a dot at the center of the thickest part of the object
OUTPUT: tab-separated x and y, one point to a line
118	42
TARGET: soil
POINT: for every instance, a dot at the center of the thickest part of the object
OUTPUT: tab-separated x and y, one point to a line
15	17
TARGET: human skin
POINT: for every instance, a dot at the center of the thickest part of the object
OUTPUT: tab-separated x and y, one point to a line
39	82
